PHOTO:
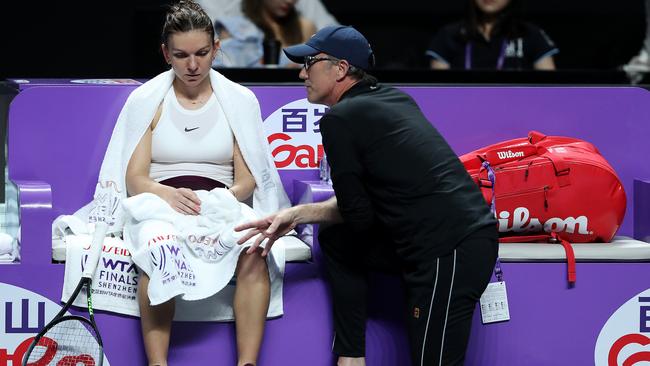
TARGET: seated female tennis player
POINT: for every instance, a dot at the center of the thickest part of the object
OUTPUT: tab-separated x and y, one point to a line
195	132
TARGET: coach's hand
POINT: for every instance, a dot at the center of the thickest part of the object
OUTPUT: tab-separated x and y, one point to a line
271	227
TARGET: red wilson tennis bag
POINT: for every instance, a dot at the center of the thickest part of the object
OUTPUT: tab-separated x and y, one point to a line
544	187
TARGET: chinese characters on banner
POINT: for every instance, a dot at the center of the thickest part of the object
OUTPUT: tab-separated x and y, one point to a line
293	133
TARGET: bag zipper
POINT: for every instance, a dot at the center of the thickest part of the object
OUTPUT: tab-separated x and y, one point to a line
543	189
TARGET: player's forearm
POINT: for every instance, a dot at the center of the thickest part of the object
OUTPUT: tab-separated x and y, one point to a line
243	188
137	184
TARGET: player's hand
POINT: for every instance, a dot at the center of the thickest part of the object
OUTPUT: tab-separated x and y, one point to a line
183	200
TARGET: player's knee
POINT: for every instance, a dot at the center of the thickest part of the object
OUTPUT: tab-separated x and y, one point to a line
252	267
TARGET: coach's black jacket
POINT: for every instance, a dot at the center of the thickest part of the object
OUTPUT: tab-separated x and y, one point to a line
391	167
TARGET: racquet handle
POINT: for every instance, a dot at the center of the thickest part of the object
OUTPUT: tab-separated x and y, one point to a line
95	249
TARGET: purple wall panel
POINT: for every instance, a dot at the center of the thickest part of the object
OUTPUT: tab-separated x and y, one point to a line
550	323
57	134
613	119
473	117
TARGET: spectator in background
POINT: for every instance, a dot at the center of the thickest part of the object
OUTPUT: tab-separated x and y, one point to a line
313	10
492	36
640	63
265	27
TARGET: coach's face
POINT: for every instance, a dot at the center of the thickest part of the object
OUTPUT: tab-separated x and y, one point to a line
320	74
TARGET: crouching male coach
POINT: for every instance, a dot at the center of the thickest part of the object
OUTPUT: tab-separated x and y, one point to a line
403	203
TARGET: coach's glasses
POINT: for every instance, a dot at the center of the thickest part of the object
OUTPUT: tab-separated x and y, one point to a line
310	60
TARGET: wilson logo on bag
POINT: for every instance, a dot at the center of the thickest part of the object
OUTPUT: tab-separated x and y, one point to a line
520	221
509	154
544	186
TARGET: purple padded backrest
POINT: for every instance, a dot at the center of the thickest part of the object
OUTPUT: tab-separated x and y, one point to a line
62	140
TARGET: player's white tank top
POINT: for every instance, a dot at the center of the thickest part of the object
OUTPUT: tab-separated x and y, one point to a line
192	142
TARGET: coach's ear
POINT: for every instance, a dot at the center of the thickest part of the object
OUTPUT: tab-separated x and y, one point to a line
342	70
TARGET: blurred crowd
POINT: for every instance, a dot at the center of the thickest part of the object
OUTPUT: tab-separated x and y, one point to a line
491	35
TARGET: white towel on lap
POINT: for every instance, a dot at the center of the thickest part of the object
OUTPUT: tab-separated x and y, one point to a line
190	256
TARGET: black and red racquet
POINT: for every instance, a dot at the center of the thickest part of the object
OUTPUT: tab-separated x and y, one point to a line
72	340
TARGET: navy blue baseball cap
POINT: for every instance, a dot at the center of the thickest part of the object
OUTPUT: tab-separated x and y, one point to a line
342	42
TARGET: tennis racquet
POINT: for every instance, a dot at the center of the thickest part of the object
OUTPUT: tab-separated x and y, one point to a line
71	340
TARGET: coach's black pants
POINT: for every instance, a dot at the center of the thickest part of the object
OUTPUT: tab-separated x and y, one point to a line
441	293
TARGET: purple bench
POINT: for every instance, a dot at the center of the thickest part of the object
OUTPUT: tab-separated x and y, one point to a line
58	136
57	133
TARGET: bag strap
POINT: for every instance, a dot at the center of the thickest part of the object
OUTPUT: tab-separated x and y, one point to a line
541	238
535	136
489	184
507	154
560	166
545	238
504	154
570	258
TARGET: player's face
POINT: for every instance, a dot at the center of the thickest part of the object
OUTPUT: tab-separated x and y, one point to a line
190	54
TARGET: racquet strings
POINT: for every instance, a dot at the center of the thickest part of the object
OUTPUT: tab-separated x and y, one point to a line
68	342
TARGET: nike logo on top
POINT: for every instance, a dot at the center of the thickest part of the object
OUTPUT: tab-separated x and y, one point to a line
190	129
